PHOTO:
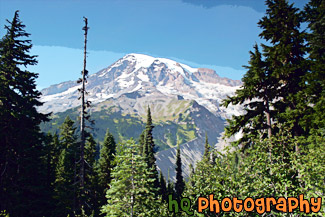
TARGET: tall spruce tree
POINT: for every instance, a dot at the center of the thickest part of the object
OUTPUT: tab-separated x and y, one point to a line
91	178
206	179
180	183
66	186
170	185
192	171
52	149
132	191
206	147
273	89
255	95
314	15
163	187
105	166
142	142
149	149
149	143
285	61
22	176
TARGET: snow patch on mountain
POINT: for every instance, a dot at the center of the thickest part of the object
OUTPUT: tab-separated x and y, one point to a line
52	97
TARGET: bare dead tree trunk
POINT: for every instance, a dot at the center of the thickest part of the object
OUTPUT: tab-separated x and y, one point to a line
82	114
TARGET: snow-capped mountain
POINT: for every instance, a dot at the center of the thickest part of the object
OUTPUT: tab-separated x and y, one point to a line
184	102
142	73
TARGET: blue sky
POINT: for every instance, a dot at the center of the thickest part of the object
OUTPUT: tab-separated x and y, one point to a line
217	34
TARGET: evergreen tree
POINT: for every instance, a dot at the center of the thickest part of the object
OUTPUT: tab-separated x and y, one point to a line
180	184
163	187
206	179
132	191
285	60
274	85
206	147
149	149
314	15
52	149
149	143
56	147
214	157
170	186
66	187
105	166
91	177
90	149
90	154
255	95
144	146
48	159
190	182
142	142
22	170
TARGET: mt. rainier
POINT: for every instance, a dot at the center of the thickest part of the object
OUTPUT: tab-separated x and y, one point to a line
184	103
138	72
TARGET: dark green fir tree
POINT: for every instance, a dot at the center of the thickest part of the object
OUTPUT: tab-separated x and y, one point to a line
274	85
163	187
180	183
206	147
132	191
284	57
105	166
149	149
91	177
314	15
170	186
149	143
142	142
255	96
66	187
52	149
22	170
